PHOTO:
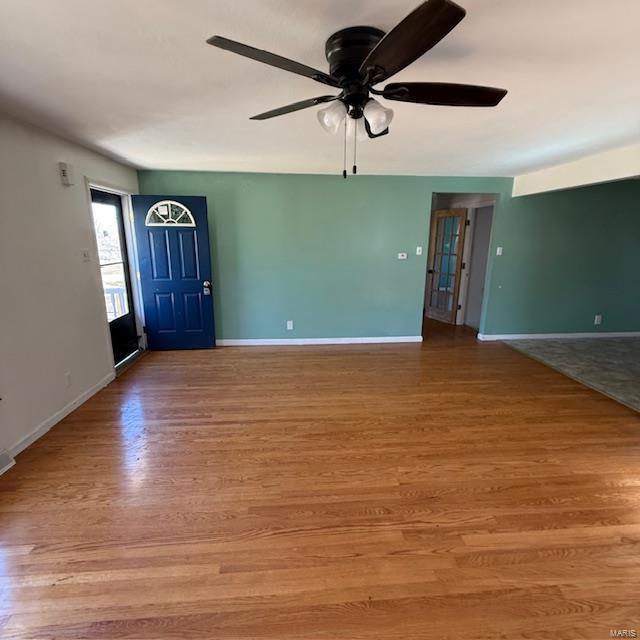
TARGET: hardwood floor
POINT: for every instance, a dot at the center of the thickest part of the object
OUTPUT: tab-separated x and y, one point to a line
447	490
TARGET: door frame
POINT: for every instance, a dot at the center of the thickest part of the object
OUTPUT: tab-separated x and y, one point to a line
132	254
462	212
471	202
470	252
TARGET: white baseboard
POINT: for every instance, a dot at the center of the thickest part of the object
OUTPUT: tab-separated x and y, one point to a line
305	341
6	460
45	425
557	336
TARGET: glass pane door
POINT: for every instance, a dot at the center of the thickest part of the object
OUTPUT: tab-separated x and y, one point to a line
112	263
108	224
445	255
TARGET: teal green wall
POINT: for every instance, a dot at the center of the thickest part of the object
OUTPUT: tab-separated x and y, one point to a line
316	249
567	256
323	251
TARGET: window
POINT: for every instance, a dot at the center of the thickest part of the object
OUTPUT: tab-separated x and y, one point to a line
111	258
169	213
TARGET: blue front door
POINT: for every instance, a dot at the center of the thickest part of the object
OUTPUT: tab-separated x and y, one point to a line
172	236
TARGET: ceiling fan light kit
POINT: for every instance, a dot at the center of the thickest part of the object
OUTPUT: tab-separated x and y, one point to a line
357	128
360	58
333	116
378	116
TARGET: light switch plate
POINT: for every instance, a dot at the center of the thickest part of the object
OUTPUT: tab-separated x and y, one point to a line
418	251
66	174
402	256
86	255
499	251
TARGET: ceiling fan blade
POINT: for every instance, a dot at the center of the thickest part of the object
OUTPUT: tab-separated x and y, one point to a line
444	93
421	30
296	106
272	59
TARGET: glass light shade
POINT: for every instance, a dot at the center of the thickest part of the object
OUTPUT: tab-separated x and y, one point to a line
377	116
332	116
361	132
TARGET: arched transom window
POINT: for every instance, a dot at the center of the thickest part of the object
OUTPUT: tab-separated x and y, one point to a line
169	213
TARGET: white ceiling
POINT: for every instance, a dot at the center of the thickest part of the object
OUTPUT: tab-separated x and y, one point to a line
135	79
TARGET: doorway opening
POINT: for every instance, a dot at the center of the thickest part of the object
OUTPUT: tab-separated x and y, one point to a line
108	224
459	240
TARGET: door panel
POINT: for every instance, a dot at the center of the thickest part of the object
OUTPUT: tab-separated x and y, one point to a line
445	263
166	312
159	248
193	319
189	266
175	271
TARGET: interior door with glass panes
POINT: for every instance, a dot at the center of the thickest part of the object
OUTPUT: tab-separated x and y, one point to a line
445	264
108	223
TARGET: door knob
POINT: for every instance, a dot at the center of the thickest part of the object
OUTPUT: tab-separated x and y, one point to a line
207	288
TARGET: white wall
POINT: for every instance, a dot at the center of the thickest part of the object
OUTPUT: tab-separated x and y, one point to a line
477	271
52	316
618	164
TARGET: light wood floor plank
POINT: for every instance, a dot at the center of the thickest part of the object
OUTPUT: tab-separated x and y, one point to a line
447	490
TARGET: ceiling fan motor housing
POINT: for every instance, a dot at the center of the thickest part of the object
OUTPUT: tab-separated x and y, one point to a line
346	50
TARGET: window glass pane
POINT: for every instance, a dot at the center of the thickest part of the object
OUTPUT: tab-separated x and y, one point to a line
154	218
105	222
169	213
178	212
449	302
115	290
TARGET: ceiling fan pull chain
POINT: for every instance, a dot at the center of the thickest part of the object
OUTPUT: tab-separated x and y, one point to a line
344	158
355	142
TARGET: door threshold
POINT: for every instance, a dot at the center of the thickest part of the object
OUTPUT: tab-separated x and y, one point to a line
123	365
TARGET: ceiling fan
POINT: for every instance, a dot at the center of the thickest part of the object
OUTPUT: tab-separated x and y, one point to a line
362	57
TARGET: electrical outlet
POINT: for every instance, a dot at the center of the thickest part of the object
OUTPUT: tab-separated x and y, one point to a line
597	319
67	378
86	255
402	256
289	325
